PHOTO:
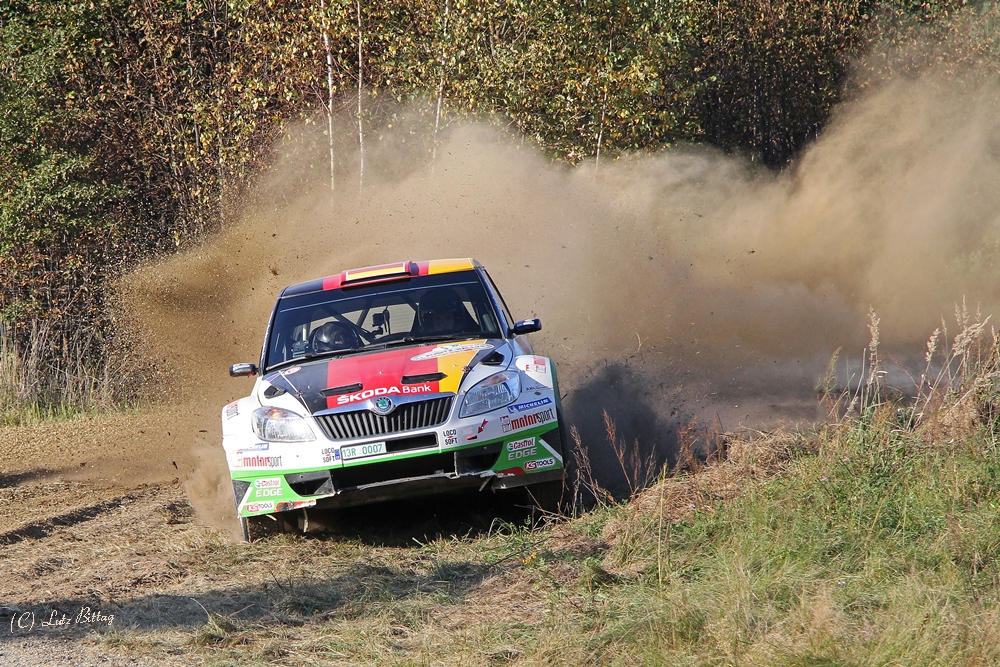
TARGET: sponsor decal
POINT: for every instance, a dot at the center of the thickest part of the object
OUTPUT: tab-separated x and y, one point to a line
267	483
455	348
508	424
256	447
347	399
535	364
482	426
522	454
540	464
289	371
515	445
256	461
330	454
262	506
293	505
266	493
232	410
450	436
530	405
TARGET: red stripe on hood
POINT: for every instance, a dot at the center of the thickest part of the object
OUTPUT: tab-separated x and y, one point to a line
380	374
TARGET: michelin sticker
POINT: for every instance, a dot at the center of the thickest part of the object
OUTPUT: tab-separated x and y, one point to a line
445	350
531	405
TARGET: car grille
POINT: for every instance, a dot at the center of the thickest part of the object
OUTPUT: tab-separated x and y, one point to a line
406	417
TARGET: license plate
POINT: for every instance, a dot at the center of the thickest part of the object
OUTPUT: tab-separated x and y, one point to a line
361	451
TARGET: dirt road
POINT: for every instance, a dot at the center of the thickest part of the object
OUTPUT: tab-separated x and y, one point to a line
101	571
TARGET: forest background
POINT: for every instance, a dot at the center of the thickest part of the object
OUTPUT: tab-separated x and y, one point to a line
131	129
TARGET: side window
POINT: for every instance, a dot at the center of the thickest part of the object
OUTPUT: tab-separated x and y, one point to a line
503	304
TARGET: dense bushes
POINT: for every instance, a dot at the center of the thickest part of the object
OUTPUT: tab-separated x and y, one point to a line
129	128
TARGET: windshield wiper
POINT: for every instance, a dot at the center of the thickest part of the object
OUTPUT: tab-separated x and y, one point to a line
410	340
332	353
312	357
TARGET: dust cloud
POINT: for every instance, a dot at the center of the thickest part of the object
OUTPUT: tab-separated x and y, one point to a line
687	283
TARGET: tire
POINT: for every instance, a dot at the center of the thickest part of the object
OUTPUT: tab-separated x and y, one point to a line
257	528
547	497
552	497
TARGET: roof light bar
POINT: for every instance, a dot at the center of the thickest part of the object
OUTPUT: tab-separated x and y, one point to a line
378	273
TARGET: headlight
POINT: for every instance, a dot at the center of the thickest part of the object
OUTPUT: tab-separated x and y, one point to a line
494	392
278	425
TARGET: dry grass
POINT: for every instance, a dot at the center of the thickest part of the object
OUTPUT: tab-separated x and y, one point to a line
45	375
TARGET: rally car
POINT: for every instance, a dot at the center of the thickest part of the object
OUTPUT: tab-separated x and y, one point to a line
386	382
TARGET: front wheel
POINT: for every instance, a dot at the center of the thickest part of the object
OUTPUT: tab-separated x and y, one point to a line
266	525
548	497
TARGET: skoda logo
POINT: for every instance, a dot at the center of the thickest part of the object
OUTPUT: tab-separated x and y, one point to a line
383	405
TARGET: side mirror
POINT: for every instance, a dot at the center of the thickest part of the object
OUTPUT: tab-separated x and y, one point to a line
243	370
527	326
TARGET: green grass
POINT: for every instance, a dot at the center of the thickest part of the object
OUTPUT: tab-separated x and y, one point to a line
879	549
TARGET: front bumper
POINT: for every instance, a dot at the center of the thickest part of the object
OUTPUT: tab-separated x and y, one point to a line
501	449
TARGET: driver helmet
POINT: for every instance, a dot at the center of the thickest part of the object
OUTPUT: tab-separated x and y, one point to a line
333	336
441	312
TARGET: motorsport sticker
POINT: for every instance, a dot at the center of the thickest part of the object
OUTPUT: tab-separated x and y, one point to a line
232	410
524	421
445	350
540	464
382	391
530	405
256	461
267	483
515	445
256	447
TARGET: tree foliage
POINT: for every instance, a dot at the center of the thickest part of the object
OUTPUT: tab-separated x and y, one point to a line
127	128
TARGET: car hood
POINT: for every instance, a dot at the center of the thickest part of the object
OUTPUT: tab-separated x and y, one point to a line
341	382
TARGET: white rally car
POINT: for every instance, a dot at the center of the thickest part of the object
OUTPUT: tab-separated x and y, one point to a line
387	382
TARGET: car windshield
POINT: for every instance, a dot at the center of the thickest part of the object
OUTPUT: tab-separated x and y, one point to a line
450	306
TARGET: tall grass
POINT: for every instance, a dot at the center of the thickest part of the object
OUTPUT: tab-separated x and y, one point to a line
873	541
46	375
